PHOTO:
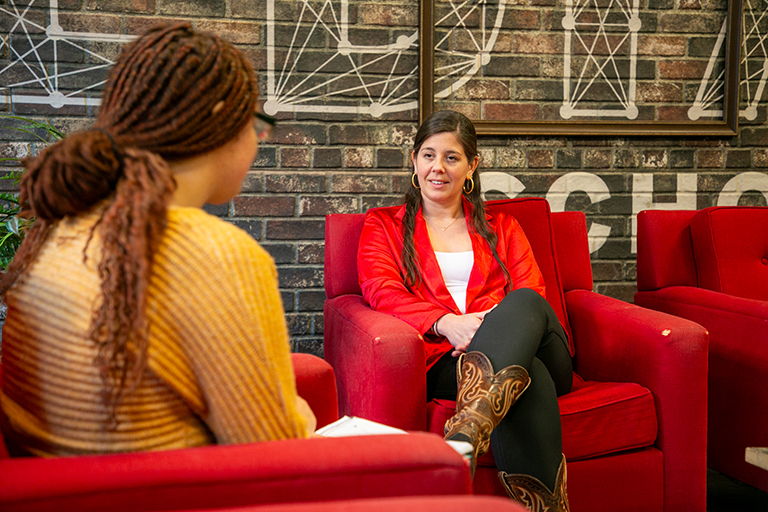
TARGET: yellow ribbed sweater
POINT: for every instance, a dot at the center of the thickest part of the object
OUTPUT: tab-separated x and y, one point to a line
219	367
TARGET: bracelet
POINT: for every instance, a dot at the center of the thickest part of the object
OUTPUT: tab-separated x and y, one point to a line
434	327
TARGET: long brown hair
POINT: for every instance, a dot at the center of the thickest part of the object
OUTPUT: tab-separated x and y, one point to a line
441	122
173	93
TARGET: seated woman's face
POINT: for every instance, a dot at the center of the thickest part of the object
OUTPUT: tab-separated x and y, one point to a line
442	167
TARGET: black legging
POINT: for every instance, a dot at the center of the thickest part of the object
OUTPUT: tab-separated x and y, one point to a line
522	330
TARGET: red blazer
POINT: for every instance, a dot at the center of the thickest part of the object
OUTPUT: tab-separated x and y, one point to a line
382	274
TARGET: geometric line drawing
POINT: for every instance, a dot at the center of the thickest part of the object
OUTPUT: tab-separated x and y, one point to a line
710	93
607	34
41	80
754	60
360	78
345	80
753	67
454	67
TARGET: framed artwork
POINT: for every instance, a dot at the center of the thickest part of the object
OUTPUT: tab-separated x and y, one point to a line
583	67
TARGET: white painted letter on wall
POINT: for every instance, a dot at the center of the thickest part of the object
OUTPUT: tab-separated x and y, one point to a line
744	182
642	197
501	182
596	190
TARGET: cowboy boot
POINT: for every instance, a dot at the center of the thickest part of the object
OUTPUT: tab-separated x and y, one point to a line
535	495
483	399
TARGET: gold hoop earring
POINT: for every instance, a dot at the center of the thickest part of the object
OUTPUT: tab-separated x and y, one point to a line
413	180
471	182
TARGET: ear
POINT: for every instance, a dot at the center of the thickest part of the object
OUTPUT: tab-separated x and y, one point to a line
473	166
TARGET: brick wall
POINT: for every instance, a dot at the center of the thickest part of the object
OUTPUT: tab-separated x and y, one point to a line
330	161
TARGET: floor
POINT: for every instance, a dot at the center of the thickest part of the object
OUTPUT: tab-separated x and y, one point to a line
727	495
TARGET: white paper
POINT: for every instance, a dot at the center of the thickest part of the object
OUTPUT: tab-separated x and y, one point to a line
347	426
354	426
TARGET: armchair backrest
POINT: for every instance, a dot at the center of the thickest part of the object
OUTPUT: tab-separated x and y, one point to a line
721	248
342	235
573	260
730	247
664	249
534	217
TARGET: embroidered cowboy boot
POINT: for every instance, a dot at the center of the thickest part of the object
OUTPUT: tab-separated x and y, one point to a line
534	495
482	400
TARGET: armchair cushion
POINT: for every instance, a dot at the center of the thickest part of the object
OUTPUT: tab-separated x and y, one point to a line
598	418
730	246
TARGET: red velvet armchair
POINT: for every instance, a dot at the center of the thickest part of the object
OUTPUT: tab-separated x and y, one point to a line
277	472
634	424
711	266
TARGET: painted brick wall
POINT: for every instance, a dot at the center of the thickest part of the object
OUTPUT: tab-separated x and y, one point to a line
324	162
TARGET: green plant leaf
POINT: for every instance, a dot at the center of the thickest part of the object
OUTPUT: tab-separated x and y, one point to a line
12	228
3	241
47	127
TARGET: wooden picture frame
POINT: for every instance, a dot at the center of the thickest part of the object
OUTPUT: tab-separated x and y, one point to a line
723	127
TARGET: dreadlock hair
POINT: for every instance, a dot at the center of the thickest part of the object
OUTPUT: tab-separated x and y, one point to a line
441	122
173	93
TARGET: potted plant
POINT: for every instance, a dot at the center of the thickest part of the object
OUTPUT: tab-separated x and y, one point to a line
12	228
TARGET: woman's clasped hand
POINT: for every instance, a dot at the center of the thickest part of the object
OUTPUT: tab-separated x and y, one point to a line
460	329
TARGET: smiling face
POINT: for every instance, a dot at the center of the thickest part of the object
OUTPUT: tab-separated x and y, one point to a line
442	166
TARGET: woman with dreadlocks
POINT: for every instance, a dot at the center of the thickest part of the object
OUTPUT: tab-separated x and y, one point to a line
467	280
136	321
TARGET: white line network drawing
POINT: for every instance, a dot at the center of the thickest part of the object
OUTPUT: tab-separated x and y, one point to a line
302	84
753	67
710	93
455	67
378	79
368	79
41	80
754	57
607	32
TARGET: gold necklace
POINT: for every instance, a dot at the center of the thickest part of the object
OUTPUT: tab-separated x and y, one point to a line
442	228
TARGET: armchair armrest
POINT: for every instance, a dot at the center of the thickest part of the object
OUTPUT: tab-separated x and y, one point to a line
738	364
379	363
316	383
621	342
294	470
726	317
738	332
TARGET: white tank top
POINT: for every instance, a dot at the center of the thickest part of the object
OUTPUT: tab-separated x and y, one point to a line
456	268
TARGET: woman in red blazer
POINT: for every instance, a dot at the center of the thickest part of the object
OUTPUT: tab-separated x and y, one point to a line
469	283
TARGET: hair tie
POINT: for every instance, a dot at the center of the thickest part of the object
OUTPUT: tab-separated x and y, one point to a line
118	154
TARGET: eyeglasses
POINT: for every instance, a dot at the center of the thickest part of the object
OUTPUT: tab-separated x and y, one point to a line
264	125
